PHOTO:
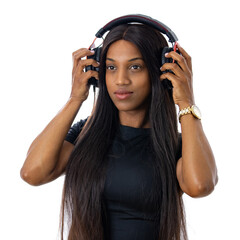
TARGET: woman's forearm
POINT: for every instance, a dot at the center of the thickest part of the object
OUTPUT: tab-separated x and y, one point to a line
198	168
44	151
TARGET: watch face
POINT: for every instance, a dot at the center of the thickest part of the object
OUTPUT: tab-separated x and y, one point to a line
196	112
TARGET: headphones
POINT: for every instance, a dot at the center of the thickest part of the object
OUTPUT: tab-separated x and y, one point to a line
134	18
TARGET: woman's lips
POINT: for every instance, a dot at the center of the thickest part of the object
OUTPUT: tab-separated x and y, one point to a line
123	94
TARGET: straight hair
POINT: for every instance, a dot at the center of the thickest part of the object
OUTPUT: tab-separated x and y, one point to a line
83	208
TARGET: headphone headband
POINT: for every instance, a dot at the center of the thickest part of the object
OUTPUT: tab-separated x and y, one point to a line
140	19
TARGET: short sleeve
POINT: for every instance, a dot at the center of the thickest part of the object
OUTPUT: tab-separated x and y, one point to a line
179	147
74	131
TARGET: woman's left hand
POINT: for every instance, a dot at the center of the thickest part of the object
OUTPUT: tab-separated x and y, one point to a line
181	79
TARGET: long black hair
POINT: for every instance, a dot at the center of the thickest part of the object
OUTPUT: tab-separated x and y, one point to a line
83	207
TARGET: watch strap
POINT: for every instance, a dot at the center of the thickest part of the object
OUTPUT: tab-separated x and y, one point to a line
187	110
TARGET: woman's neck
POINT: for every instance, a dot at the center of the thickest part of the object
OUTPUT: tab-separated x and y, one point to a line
134	119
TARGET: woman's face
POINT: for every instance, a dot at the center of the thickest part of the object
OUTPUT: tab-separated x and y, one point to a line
127	77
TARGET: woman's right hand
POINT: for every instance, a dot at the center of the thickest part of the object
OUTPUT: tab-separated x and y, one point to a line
80	87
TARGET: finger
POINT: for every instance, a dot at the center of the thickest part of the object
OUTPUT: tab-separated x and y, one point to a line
83	63
92	73
186	56
171	77
87	75
82	52
180	60
173	67
83	78
79	54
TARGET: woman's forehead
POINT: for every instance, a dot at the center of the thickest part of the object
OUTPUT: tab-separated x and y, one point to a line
123	49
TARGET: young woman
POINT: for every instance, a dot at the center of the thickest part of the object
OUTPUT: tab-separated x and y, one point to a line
126	165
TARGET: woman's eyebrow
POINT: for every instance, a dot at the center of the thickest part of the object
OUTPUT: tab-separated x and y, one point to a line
132	59
110	59
137	58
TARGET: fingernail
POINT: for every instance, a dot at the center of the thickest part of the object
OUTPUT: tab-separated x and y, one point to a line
166	54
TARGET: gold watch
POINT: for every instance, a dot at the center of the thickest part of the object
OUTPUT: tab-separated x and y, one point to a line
194	110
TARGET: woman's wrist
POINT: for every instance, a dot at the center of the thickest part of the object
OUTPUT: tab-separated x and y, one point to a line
76	99
185	104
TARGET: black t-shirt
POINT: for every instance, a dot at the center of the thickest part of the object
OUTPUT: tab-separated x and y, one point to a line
130	214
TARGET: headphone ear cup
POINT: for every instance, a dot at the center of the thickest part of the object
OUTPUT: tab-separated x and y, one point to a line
93	81
163	58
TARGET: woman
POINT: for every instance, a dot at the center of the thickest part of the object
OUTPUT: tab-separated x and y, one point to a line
126	165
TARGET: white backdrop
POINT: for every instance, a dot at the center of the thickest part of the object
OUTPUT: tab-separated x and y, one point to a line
36	45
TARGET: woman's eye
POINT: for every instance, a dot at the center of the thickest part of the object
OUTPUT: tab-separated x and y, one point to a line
135	67
132	67
110	67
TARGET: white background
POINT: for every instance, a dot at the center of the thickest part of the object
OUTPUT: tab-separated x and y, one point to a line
36	45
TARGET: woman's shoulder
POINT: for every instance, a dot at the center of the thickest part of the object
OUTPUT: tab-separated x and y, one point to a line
79	125
75	130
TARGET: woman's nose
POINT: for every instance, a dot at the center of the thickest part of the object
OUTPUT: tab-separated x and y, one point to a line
122	77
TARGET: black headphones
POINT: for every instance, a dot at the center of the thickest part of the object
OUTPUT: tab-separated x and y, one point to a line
137	18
